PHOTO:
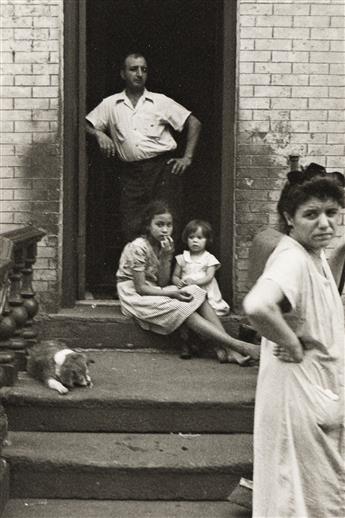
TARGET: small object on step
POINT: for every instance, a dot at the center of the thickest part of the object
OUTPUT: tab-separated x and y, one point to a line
243	494
185	353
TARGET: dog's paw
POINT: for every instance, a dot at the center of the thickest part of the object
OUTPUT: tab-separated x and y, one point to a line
56	385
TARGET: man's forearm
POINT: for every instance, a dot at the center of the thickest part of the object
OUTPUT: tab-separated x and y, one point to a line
193	132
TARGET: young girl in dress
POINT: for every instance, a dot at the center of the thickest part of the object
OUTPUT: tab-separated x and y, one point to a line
145	294
197	266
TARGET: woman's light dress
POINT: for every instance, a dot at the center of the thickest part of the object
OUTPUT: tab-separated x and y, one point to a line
299	433
194	269
156	313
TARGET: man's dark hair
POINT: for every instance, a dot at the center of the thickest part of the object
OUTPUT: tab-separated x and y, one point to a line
135	55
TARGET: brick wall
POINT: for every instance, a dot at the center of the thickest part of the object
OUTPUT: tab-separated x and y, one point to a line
30	153
291	65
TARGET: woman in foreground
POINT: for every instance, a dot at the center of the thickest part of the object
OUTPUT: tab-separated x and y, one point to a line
296	307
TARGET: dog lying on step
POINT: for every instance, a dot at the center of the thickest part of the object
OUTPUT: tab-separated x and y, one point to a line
58	367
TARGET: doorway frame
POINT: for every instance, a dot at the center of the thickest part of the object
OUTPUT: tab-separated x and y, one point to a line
74	150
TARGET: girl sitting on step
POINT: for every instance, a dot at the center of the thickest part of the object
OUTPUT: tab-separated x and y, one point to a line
145	293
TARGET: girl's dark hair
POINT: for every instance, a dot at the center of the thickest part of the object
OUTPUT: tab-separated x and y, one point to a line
193	226
150	211
313	182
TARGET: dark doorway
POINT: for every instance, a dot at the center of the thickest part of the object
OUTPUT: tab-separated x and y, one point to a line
183	43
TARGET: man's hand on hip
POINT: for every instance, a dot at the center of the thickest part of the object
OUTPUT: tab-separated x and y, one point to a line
180	165
106	144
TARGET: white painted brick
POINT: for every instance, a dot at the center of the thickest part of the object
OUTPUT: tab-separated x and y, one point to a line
6	172
47	68
288	103
271	115
16	91
53	126
254	79
7	10
305	138
247	21
299	126
245	115
329	57
6	104
290	79
247	44
10	161
254	103
273	44
45	91
327	104
54	80
298	57
272	91
6	150
28	126
6	194
328	10
255	9
16	46
274	21
31	34
337	21
318	45
6	57
310	91
16	115
47	115
296	33
6	217
6	80
256	126
6	125
291	9
246	68
256	32
6	34
335	33
246	91
46	21
31	103
32	10
255	55
335	161
327	127
16	22
273	68
312	21
42	45
336	138
326	149
317	115
337	91
15	138
327	79
310	68
336	115
32	57
14	68
337	68
32	80
337	46
47	138
54	57
53	104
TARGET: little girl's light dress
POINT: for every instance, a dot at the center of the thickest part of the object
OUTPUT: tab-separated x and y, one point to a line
194	269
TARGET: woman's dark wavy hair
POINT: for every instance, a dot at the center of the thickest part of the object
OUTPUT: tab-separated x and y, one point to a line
151	210
193	226
312	182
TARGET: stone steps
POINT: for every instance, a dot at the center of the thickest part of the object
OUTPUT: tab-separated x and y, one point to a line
142	392
43	508
127	466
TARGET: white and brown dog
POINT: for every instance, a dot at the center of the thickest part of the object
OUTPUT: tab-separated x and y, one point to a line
58	367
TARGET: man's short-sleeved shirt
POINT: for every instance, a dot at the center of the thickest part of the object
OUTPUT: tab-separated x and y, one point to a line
142	131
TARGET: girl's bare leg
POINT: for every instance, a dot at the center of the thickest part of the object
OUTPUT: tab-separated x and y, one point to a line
208	329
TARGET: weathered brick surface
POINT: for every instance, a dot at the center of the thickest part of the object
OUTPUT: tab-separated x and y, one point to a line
31	64
297	76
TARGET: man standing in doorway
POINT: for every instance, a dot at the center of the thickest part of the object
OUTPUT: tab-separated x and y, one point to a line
136	125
